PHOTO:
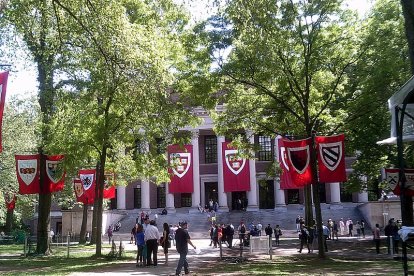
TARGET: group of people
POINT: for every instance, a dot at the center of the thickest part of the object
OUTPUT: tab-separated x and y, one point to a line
147	237
221	233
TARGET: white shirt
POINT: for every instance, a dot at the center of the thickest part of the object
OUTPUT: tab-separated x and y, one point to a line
151	233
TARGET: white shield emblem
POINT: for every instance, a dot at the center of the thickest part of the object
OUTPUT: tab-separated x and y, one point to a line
392	179
331	154
180	163
54	170
27	170
234	163
299	158
78	189
87	180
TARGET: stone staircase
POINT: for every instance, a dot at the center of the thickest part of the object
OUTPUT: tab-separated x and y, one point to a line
285	217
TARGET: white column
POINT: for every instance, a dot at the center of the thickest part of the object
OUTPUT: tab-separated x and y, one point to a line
363	195
195	197
169	200
222	196
252	194
145	194
280	201
120	198
335	189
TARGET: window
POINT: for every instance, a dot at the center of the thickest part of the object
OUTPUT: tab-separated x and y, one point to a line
186	200
210	149
265	148
137	198
160	196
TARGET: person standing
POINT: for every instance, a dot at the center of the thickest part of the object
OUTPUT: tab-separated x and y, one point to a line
363	228
350	227
139	239
377	237
259	228
342	226
110	233
133	233
278	233
268	230
325	231
297	221
303	236
182	239
152	237
165	242
358	229
230	234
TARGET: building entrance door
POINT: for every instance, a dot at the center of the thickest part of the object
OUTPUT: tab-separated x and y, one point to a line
238	200
211	191
266	195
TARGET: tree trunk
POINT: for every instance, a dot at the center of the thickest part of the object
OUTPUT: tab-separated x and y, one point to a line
408	11
9	221
316	198
45	201
95	209
100	182
82	235
308	205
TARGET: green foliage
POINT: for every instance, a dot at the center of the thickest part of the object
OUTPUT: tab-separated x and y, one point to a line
19	136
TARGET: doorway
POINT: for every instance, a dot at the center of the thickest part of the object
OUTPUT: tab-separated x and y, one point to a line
211	191
266	194
238	200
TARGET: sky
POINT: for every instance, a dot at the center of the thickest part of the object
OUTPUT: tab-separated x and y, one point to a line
22	80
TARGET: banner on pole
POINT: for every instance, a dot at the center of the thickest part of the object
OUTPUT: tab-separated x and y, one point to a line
10	201
27	171
88	180
55	173
331	158
236	170
109	186
180	168
3	87
393	179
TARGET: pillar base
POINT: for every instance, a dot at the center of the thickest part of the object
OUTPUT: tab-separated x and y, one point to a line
223	209
171	210
193	210
336	206
281	209
253	208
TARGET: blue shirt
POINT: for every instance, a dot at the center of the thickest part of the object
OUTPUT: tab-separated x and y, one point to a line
139	237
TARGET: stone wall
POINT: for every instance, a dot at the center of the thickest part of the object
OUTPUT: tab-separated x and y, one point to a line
380	212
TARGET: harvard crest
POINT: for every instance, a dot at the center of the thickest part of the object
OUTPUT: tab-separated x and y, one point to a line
180	163
234	163
87	180
27	170
55	170
331	154
299	158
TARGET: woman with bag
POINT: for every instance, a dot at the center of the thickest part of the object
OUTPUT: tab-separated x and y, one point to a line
164	241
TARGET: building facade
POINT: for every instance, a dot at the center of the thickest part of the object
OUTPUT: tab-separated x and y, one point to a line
265	193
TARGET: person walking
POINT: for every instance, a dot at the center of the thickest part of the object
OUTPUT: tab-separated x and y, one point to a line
139	238
165	242
342	226
110	233
152	237
303	236
363	228
377	237
325	231
182	240
278	233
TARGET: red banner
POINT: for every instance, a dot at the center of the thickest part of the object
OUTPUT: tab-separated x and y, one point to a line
294	158
79	193
394	182
109	186
236	171
55	173
27	171
3	88
331	158
10	201
88	180
180	159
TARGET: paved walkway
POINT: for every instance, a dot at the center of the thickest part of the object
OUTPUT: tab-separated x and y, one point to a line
208	255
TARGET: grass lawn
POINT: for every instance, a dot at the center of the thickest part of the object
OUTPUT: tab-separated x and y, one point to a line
81	259
305	265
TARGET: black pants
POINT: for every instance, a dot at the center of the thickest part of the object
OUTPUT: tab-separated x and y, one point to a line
377	245
152	248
